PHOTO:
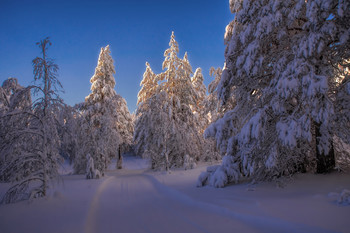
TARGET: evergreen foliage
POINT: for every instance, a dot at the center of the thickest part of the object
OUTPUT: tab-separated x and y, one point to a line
105	121
170	113
281	72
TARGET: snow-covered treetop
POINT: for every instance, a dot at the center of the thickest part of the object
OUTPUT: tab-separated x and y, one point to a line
14	96
11	85
149	85
197	82
103	81
45	68
185	67
176	79
216	73
171	59
235	5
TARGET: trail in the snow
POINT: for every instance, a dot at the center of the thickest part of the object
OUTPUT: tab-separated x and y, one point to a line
135	199
138	206
140	203
90	225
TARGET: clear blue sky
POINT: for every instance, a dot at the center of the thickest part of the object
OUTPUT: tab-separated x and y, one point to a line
136	30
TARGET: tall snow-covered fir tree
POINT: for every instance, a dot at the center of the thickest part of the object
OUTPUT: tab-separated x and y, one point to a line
106	123
166	127
148	90
100	117
34	147
279	72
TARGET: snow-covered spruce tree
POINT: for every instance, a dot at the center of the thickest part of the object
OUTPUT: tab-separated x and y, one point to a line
148	90
99	118
278	71
182	136
148	85
246	134
202	117
36	159
166	128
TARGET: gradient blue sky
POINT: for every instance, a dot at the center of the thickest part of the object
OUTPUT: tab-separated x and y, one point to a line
137	31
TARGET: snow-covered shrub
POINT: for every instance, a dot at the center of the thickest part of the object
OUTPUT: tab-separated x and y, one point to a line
344	197
203	178
219	176
91	172
188	162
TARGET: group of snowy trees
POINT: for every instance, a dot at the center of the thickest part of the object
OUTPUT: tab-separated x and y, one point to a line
35	136
171	114
285	87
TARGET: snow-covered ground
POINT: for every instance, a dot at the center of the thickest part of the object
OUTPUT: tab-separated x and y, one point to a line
138	200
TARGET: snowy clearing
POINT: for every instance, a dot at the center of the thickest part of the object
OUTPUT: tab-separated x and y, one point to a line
138	200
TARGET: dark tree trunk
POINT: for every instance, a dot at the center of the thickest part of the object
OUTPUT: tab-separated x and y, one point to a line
120	158
325	162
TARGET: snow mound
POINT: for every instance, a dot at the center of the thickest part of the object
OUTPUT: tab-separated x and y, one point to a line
220	175
344	197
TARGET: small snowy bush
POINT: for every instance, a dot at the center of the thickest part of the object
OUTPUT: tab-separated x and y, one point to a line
344	197
91	172
188	162
219	176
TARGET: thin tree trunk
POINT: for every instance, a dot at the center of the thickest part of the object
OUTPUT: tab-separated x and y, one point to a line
120	159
